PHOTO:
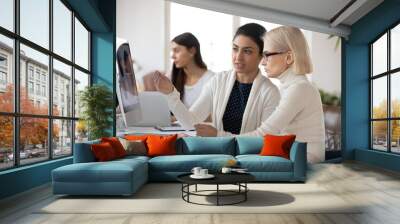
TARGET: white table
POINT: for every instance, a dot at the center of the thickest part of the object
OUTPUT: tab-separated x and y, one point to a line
150	130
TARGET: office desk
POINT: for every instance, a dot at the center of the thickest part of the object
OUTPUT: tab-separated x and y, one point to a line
150	130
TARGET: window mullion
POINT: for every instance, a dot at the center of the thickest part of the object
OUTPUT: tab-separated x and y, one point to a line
73	82
371	86
16	70
50	81
389	113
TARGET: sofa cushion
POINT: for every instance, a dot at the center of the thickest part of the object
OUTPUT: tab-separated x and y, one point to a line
83	152
112	171
116	145
160	145
142	138
206	145
249	145
134	147
130	158
185	163
136	137
103	152
277	145
257	163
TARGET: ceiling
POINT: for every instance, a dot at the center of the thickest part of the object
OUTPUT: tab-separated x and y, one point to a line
325	16
320	9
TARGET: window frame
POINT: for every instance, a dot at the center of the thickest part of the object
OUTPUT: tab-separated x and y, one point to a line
3	70
388	74
16	114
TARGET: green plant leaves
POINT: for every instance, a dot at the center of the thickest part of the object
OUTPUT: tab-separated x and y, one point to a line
329	98
97	102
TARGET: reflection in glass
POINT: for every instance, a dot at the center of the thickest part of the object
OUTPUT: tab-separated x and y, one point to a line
34	97
6	142
81	81
6	74
395	95
62	29
395	47
395	138
127	90
81	45
379	135
379	98
62	141
35	21
379	55
7	14
62	89
33	139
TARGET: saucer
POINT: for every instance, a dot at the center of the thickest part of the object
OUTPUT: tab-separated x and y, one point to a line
208	176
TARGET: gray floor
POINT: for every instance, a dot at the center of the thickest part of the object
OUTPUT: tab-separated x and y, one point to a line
378	188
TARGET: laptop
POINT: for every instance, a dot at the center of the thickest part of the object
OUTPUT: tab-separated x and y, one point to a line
154	113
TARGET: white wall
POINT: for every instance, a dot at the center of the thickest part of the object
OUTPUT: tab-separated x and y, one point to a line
142	23
327	63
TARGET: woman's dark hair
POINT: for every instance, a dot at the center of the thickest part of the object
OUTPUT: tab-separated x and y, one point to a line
178	75
255	32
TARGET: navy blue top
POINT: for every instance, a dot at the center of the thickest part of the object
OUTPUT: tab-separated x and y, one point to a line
233	115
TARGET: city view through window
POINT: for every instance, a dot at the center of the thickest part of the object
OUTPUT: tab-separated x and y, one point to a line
32	130
385	92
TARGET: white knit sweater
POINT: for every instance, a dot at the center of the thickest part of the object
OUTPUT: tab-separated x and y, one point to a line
299	112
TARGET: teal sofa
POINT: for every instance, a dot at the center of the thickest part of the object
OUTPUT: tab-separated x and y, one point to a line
125	176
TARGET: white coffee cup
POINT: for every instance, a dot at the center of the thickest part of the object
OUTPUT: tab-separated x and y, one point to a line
196	170
203	172
226	170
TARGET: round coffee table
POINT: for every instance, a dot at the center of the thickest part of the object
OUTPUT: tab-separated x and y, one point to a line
238	179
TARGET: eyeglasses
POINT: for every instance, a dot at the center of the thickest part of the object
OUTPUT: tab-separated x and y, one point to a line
266	54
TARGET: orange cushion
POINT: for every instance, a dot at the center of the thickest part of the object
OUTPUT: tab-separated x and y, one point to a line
136	137
116	145
161	145
277	145
103	151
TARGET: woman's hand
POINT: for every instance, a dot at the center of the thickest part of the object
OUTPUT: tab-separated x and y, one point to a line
173	118
162	83
205	130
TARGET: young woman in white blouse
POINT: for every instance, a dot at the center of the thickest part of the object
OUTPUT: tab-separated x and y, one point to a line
189	72
238	100
286	57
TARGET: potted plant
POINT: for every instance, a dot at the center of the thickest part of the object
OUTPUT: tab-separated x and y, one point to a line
332	116
96	103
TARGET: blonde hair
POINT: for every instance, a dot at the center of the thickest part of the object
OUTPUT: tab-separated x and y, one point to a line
286	38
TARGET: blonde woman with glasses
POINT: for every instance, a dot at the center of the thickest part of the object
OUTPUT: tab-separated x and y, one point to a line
286	57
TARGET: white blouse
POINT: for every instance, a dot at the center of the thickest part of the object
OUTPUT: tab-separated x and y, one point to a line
193	92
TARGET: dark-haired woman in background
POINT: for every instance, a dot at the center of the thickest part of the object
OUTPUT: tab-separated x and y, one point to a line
238	100
189	72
